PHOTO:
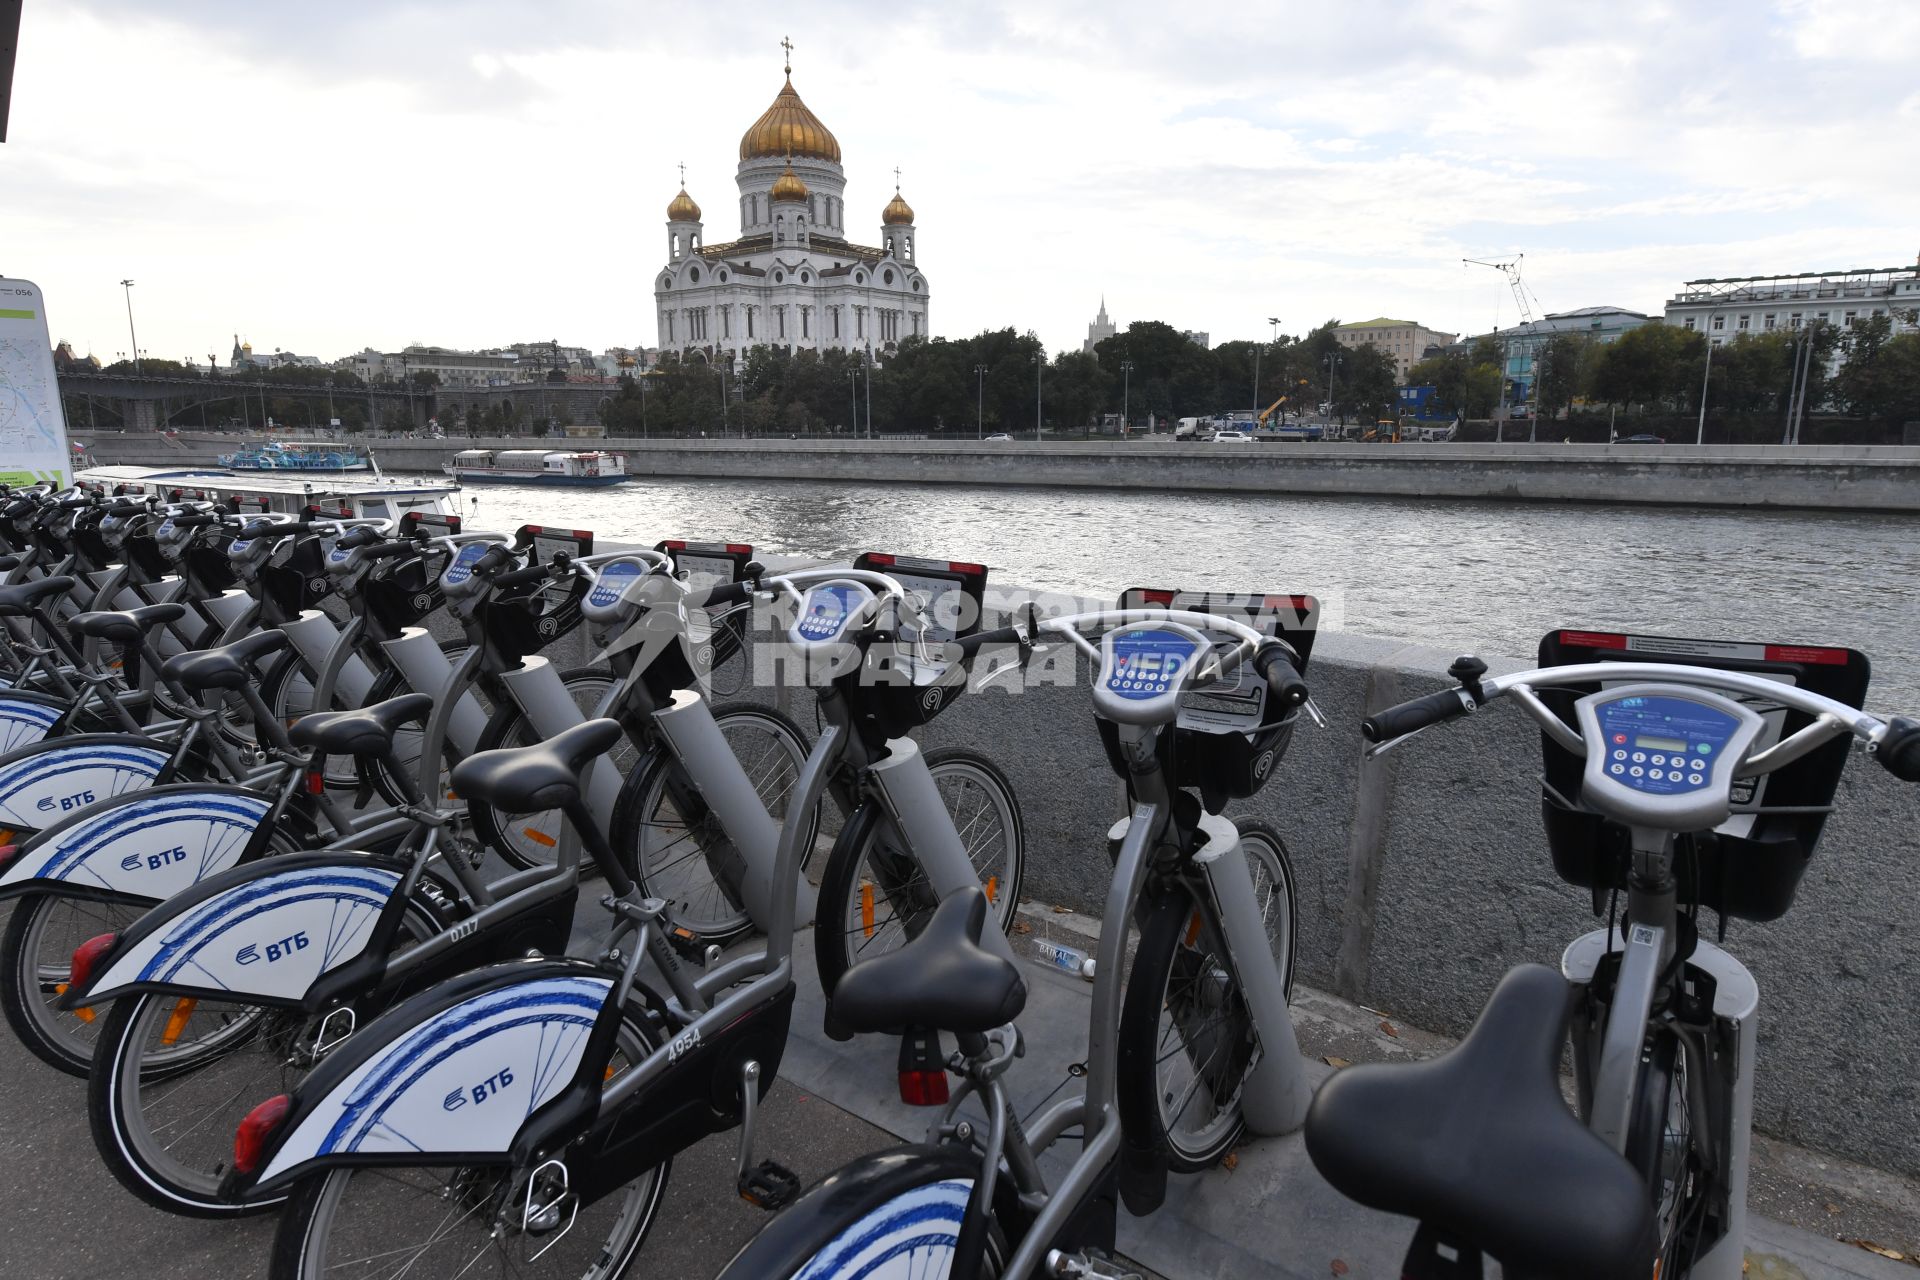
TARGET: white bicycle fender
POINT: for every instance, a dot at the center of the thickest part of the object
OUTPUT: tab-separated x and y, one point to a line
272	935
150	846
462	1082
64	778
892	1241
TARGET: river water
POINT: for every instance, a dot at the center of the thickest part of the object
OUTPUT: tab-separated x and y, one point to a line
1464	576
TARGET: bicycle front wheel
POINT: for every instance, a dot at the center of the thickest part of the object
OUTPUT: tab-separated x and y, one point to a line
1187	1042
677	848
533	839
465	1223
1660	1144
874	897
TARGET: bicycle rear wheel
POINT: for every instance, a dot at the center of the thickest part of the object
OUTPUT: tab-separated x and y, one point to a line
874	897
461	1223
1187	1042
36	956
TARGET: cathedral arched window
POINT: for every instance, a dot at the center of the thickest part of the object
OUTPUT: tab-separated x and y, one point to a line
694	275
805	278
666	282
888	277
779	277
859	277
723	277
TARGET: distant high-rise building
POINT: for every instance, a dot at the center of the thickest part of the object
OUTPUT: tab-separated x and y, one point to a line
1100	330
1198	338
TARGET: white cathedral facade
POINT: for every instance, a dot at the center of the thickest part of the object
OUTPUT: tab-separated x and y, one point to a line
791	278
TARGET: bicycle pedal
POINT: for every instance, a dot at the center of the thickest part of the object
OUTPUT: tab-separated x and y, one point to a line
769	1185
687	944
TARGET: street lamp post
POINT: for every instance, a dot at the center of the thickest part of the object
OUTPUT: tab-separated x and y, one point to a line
868	364
127	285
1700	437
1039	363
1330	360
980	402
1273	336
1126	394
853	393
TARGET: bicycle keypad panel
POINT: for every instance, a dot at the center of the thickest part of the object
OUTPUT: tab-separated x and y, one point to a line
460	568
827	610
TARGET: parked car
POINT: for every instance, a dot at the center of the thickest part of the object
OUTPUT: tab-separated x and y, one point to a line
1000	438
1644	438
1232	437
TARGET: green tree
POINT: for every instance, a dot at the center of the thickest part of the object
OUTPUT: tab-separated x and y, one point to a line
1365	389
1563	366
1881	379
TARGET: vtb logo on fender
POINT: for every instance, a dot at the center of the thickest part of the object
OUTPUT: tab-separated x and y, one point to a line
153	861
478	1093
252	954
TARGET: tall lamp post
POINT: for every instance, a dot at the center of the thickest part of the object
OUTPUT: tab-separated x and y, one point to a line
1330	360
1273	337
868	364
1700	436
1126	394
980	402
1039	363
853	393
127	285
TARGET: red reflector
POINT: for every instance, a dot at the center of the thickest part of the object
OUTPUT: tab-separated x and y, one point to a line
1299	604
585	534
250	1139
962	566
675	544
1805	653
316	783
8	852
1149	596
923	1088
878	557
739	548
534	528
86	956
1593	639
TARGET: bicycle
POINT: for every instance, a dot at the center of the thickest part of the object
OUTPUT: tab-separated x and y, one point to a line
599	1081
973	1202
1670	769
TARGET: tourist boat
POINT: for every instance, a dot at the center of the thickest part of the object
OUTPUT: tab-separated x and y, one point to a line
537	466
275	456
371	498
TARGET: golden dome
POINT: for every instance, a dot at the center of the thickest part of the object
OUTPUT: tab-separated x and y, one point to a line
788	129
788	186
898	212
683	209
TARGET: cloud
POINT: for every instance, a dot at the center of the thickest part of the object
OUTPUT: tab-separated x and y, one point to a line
327	177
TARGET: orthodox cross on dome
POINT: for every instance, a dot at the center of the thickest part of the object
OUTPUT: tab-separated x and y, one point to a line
896	179
787	44
683	173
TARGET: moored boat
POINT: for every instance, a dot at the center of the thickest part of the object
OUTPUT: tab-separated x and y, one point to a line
538	466
276	456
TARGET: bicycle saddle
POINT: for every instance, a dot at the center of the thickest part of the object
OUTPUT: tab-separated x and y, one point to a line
943	979
228	666
126	626
543	776
367	731
18	601
1479	1143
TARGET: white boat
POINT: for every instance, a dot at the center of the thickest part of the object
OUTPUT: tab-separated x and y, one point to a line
364	497
537	466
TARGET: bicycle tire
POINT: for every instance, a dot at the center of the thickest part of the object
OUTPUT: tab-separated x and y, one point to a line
697	900
861	873
510	835
116	1083
1181	966
308	1220
1660	1144
378	774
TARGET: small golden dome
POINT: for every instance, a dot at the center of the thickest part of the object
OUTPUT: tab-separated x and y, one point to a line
788	129
898	212
788	186
683	209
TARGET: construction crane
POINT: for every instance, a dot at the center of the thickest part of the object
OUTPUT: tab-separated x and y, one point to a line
1521	294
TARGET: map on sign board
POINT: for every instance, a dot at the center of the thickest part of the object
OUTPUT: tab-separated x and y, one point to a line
33	432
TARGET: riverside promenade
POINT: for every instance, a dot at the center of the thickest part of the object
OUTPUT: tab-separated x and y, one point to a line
1820	477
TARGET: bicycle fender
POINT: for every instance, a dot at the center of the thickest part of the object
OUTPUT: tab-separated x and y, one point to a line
267	929
146	845
879	1206
44	782
26	718
449	1076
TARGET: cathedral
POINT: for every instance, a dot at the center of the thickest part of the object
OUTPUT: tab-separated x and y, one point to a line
791	278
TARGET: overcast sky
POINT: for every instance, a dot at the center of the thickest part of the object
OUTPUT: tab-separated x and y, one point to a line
322	177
